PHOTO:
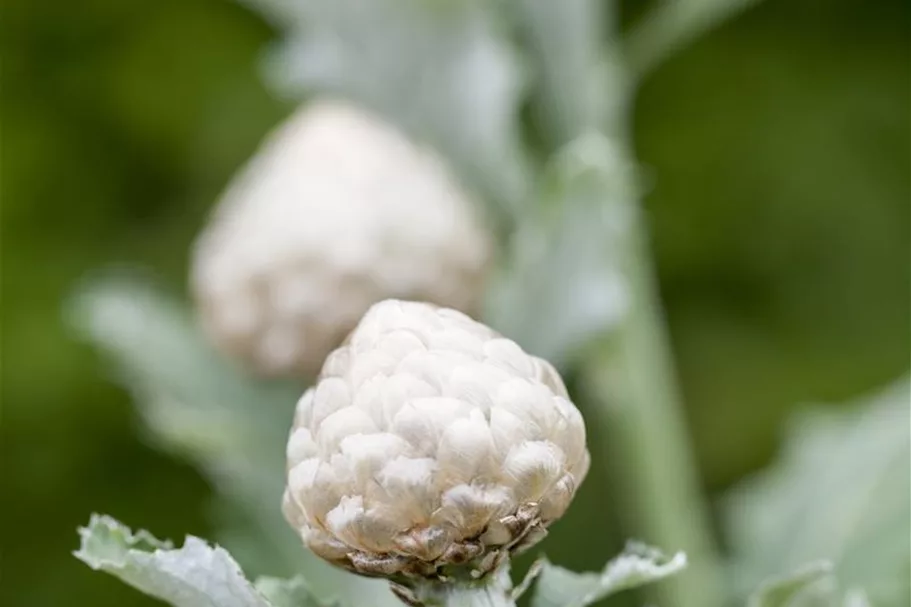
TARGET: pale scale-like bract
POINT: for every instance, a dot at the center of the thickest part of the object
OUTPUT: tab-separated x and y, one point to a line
430	440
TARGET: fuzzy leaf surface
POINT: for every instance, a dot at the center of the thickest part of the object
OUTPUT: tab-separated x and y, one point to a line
442	71
195	575
840	491
234	429
636	566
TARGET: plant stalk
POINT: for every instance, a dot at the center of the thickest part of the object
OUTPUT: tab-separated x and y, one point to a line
630	375
494	590
486	596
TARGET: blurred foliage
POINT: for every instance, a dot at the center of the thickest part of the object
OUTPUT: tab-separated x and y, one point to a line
195	575
779	150
840	491
780	215
565	280
202	575
196	406
811	585
439	70
637	565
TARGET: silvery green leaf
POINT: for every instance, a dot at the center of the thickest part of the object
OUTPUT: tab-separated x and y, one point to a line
196	575
530	576
856	598
439	70
840	491
572	77
809	585
192	403
672	25
294	592
566	282
233	428
636	566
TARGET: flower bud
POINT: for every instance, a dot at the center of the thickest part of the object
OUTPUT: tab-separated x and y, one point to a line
430	441
336	212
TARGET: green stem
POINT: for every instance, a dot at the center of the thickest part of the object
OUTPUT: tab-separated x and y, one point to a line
630	375
479	597
493	591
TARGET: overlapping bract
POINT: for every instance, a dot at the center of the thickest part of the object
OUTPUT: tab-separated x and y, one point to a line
430	440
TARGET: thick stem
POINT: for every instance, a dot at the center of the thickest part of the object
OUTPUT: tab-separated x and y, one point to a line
630	374
486	596
494	590
631	377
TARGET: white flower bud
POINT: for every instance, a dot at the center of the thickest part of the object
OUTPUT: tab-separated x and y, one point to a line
428	441
336	212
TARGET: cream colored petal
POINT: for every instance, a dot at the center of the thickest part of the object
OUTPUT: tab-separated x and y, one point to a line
475	383
332	394
341	424
579	469
532	468
555	502
368	453
369	399
409	484
455	339
507	354
301	446
425	543
399	343
292	512
531	402
368	365
423	420
508	430
466	451
343	521
470	508
324	544
431	367
399	390
337	363
547	375
304	410
316	487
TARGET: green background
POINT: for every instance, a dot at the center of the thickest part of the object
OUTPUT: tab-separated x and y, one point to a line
777	153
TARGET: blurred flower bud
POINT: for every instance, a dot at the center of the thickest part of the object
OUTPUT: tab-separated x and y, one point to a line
336	212
430	441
